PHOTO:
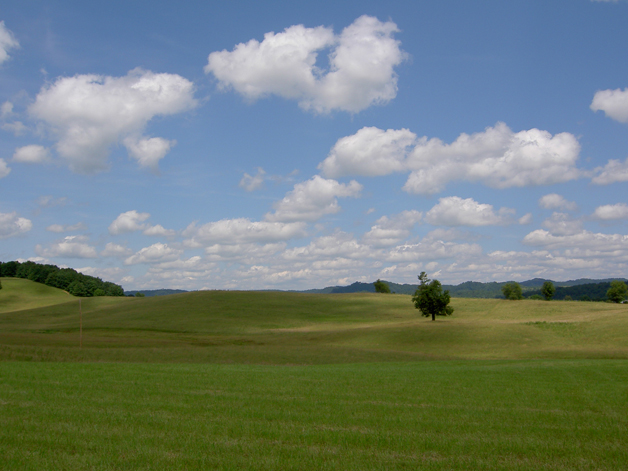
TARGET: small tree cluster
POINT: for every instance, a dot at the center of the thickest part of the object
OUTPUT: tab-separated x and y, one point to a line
66	279
512	291
548	290
430	299
617	292
381	287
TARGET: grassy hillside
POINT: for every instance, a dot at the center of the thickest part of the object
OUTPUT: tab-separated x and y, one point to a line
356	409
285	328
19	294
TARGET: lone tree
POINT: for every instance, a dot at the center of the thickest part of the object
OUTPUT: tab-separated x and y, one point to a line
548	290
512	291
430	299
381	287
617	292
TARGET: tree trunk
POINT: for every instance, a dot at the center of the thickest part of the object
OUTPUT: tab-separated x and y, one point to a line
433	316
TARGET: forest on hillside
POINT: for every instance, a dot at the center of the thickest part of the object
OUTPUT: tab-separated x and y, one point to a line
67	279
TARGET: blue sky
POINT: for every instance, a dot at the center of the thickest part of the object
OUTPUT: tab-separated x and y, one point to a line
294	145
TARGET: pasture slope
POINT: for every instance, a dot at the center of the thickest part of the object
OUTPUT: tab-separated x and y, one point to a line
245	380
297	328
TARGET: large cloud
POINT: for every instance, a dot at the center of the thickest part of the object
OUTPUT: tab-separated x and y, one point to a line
313	199
432	249
115	250
496	157
89	113
70	247
609	212
241	231
614	171
7	42
455	211
148	151
129	221
155	253
11	225
583	243
31	154
555	201
361	66
391	230
369	152
614	103
329	247
561	224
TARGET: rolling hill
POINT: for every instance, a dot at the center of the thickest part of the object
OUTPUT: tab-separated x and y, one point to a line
288	328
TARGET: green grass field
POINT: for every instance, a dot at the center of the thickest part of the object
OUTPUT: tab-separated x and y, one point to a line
244	380
295	328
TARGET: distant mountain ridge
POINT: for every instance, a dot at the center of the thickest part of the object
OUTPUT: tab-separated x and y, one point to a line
471	289
155	292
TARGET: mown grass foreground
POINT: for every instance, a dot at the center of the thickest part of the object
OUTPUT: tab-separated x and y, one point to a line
530	415
241	380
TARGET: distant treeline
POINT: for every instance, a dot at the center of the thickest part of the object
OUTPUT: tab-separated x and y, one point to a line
154	292
587	292
66	279
583	289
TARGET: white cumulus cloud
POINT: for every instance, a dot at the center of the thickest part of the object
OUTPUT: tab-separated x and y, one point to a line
155	253
313	199
11	225
455	211
361	66
115	250
614	171
129	221
159	230
7	42
562	224
148	151
433	249
583	244
90	113
555	201
609	212
496	157
31	154
391	230
241	231
70	246
369	152
614	103
339	245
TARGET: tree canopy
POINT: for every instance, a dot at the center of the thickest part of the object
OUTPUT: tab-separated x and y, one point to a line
512	291
381	287
66	279
617	292
548	290
430	299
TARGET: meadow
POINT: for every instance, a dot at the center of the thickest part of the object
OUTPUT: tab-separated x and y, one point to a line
266	380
